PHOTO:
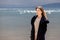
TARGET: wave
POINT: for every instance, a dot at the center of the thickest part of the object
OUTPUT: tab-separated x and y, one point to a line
50	11
33	11
22	11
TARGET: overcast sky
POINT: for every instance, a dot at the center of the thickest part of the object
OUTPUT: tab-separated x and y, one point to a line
27	2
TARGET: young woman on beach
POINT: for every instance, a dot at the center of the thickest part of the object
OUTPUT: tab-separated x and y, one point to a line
39	24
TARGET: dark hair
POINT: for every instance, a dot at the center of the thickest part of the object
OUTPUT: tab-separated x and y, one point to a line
41	8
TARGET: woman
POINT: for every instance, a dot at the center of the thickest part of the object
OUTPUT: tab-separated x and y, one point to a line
39	24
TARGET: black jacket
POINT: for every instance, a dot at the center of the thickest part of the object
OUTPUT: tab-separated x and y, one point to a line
41	30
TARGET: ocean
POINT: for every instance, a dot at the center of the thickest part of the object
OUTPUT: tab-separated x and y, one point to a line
15	23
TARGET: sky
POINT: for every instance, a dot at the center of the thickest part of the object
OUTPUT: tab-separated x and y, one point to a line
27	2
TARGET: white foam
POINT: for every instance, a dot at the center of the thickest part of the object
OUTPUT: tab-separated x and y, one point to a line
28	11
33	11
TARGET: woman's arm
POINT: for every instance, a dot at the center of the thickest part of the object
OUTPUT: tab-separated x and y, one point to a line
45	15
47	21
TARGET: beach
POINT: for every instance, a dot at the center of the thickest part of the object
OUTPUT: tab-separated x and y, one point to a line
15	26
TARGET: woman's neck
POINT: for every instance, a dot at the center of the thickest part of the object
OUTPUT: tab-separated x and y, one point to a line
39	16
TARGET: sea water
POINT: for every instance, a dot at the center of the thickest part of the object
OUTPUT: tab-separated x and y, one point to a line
15	23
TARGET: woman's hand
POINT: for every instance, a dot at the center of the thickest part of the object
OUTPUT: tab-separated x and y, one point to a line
45	15
47	21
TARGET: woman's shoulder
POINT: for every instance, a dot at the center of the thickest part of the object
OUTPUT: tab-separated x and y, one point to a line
33	19
34	16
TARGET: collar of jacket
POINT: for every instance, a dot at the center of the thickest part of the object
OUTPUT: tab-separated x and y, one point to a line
34	18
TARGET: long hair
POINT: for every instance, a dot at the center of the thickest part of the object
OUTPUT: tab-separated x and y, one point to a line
41	8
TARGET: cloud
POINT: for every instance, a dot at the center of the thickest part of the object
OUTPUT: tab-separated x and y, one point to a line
27	2
14	2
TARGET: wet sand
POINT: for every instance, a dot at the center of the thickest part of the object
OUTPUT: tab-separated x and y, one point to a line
19	28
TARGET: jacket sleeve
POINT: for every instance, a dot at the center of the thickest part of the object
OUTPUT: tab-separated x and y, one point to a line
32	29
46	21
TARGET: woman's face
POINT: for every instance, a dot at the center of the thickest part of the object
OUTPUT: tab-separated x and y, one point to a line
38	11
